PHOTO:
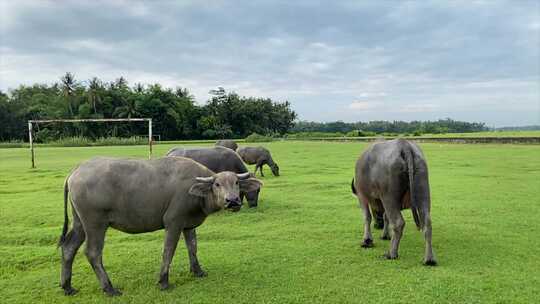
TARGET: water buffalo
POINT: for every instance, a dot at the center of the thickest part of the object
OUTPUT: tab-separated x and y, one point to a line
227	143
136	196
391	176
219	159
258	156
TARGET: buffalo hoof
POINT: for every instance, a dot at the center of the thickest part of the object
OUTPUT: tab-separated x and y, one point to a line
69	291
199	274
389	256
367	243
164	285
430	262
386	237
112	292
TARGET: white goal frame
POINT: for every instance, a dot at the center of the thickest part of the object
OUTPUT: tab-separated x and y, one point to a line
32	122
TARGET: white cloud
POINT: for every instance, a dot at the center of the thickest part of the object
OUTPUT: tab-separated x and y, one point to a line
364	105
372	94
87	45
419	108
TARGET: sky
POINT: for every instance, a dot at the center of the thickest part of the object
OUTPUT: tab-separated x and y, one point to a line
333	60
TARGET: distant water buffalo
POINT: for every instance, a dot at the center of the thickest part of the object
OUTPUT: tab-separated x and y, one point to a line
135	196
227	143
391	176
219	159
258	156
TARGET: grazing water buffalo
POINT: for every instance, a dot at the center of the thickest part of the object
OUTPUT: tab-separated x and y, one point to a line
227	143
219	159
391	176
136	196
258	156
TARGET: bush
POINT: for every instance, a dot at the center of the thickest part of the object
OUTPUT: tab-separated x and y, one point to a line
360	133
45	135
255	137
353	133
301	135
417	133
13	144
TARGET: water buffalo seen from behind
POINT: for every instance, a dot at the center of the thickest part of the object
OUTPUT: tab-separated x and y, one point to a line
391	176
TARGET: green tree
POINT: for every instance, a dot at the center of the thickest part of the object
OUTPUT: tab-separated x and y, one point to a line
68	84
128	110
94	92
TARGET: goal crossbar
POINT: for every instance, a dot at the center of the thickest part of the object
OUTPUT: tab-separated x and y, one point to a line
33	121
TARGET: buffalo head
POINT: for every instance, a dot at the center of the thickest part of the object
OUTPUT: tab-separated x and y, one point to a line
224	188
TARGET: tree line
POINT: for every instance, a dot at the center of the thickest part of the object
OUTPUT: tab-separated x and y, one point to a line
395	127
174	112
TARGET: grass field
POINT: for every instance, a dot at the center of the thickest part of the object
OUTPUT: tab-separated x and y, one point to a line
488	134
302	244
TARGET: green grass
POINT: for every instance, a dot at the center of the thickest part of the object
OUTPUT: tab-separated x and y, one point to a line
488	134
302	244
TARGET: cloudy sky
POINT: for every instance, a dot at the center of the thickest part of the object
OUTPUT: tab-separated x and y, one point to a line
333	60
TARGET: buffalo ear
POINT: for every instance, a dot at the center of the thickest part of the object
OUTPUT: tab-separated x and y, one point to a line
200	189
250	184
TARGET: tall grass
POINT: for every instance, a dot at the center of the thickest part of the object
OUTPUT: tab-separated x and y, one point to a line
81	141
13	144
255	137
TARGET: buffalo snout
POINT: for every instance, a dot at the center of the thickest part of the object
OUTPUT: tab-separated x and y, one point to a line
233	203
253	198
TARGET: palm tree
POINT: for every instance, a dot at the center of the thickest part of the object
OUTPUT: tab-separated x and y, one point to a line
139	88
68	89
182	93
121	83
94	89
128	110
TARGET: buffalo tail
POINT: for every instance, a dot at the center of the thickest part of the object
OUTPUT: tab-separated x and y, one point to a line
66	219
416	209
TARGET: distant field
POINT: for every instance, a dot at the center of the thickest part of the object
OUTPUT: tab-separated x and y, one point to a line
319	135
488	134
302	244
19	144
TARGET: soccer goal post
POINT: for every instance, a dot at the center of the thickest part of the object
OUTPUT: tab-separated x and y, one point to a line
32	122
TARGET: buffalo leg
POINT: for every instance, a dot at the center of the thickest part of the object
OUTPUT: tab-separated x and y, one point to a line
242	196
94	252
172	235
429	258
364	204
74	240
392	211
260	165
379	219
190	236
386	228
